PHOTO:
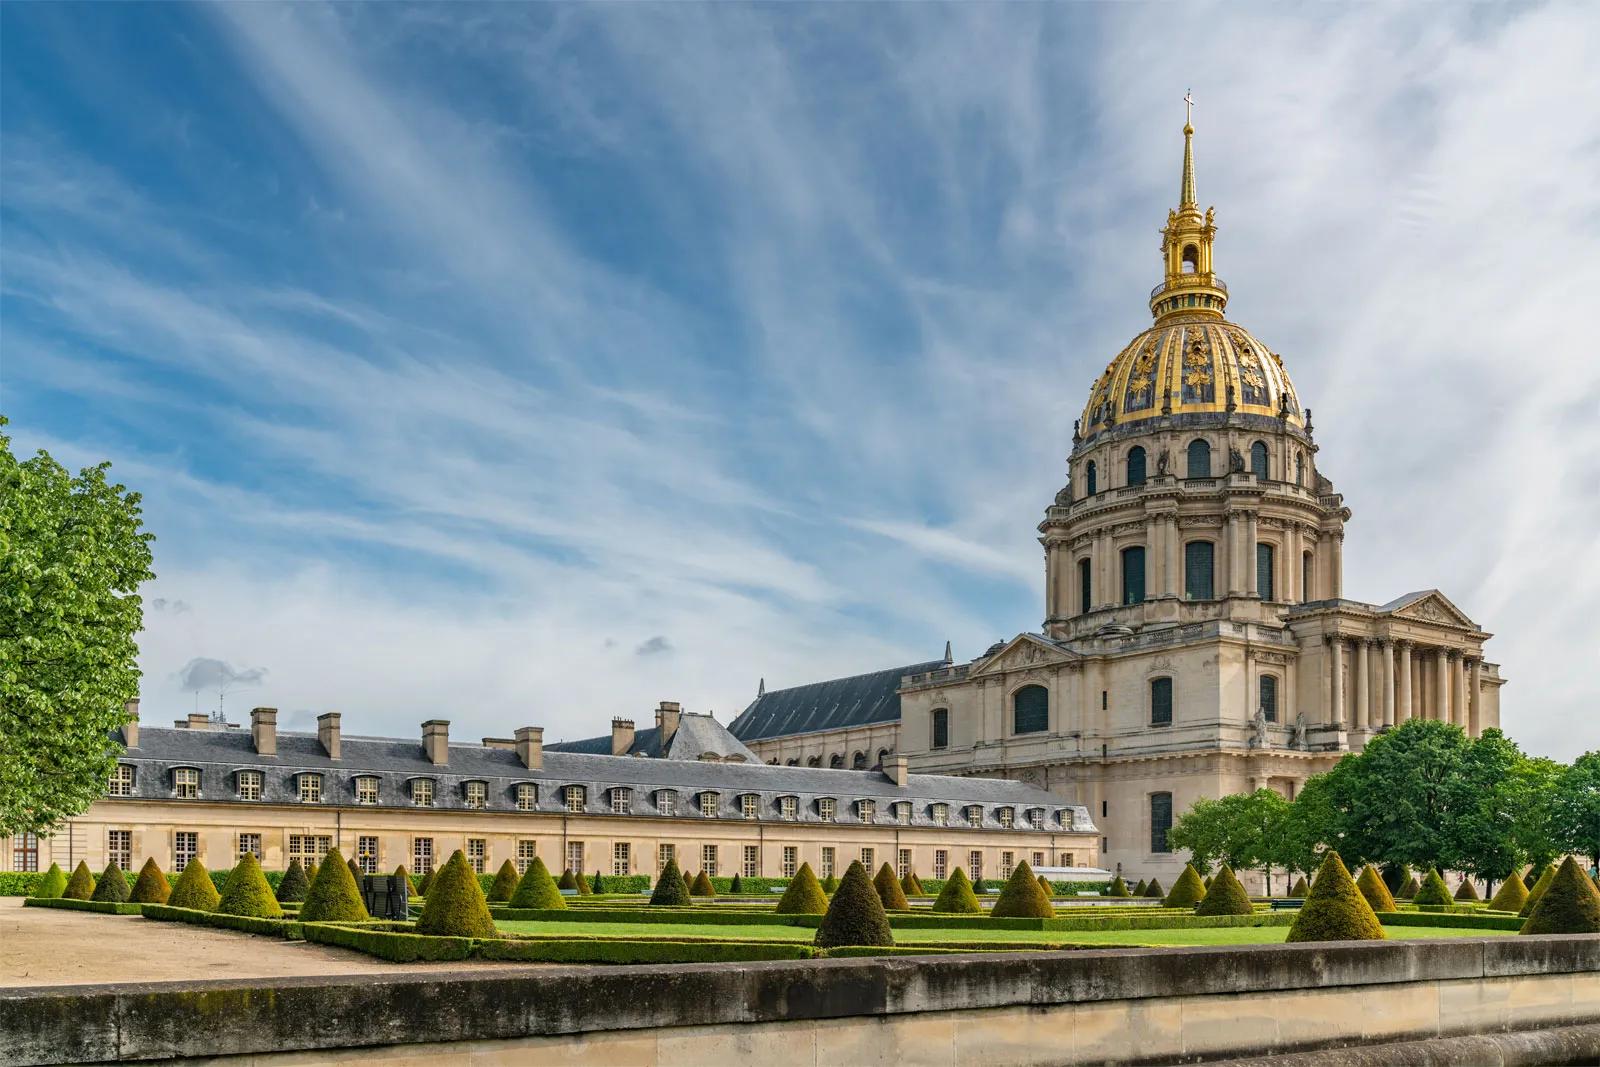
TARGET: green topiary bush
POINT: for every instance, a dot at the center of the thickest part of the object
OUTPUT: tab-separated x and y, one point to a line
456	907
1512	895
311	872
1466	891
1410	889
538	890
1206	881
567	882
855	916
670	890
1538	890
1373	888
294	886
1138	890
1530	878
247	892
1044	884
1395	878
355	870
702	886
1118	888
505	883
1300	888
112	887
401	872
1154	889
597	884
1225	897
909	886
888	887
1570	904
1433	890
830	884
53	884
151	887
687	885
1335	910
736	886
583	884
195	889
1022	897
957	896
1187	891
804	896
333	897
81	885
427	882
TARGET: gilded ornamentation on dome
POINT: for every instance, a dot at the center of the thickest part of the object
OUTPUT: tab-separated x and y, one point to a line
1199	380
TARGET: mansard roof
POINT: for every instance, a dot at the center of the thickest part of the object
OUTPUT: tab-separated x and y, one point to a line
859	700
697	737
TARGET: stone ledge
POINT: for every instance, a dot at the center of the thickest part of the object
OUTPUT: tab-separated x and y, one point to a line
1523	1048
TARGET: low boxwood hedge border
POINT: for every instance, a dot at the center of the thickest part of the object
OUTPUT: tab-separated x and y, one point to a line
1159	919
105	907
284	928
708	916
388	944
1452	921
588	950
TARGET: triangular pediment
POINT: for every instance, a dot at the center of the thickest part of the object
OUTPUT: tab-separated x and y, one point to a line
1430	605
1024	652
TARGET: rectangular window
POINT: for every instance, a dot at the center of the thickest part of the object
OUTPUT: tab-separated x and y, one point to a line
121	781
1305	578
941	863
866	809
1264	572
621	801
185	847
752	861
311	789
1036	818
25	853
422	792
1269	698
366	790
974	815
250	843
825	809
1085	592
527	852
941	728
1197	570
249	785
1161	702
1160	821
477	854
827	861
621	859
1133	575
477	795
1038	860
667	802
902	864
867	860
421	855
790	807
975	865
791	860
186	781
527	797
1008	863
665	854
1066	860
708	860
308	848
367	854
748	805
708	805
119	847
575	856
574	795
902	813
941	814
1008	818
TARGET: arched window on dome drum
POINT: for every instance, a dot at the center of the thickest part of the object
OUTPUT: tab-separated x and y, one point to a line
1191	259
1030	710
1133	575
1136	466
1088	479
1197	559
1199	459
941	728
1085	590
1269	697
1258	460
1264	571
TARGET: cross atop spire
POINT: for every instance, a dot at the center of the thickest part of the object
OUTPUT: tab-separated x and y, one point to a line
1188	105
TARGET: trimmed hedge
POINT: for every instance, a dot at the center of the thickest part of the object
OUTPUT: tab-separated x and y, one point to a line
592	951
1433	890
387	945
656	916
538	890
104	907
25	883
111	887
670	890
804	895
333	896
247	892
1570	904
1538	889
293	886
81	885
1373	888
195	889
1118	888
1154	889
502	885
702	887
287	929
889	891
1139	889
1467	891
957	896
1300	889
1451	922
1335	910
152	886
1225	897
1511	896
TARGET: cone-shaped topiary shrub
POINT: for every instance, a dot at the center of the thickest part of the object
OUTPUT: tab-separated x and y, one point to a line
804	895
538	890
53	884
909	886
111	886
670	889
1372	887
1433	890
597	884
855	916
917	883
567	881
1570	904
978	886
505	883
1410	889
688	883
1154	889
888	887
830	884
583	883
424	885
1139	889
1300	888
81	885
1225	897
957	895
333	897
246	891
1022	898
1538	890
1118	888
1187	891
401	872
1394	878
1512	895
195	889
1335	910
152	886
1530	878
702	886
1466	890
1206	881
311	873
294	885
355	870
1044	883
736	886
456	907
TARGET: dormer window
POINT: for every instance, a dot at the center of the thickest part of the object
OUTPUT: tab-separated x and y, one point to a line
974	815
1008	818
708	805
527	796
477	795
422	792
825	809
621	801
574	798
902	813
1036	818
749	805
310	786
249	783
667	802
866	809
186	783
121	781
940	814
789	808
366	790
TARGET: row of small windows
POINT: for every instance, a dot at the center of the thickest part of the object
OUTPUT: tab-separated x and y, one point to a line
1198	465
836	761
1199	574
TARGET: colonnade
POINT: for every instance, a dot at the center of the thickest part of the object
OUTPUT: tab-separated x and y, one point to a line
1411	681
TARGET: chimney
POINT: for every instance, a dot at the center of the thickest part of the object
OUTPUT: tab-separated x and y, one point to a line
264	730
328	733
436	741
130	729
499	742
667	716
896	769
193	722
530	747
621	736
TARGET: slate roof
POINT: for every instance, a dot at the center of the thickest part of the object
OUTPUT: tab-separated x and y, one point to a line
858	700
697	736
220	754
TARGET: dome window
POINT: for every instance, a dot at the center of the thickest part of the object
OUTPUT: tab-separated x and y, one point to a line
1085	590
1197	560
1089	479
1133	575
1199	459
1258	460
1136	466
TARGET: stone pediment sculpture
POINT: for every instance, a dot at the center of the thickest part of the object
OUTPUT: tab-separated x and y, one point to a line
1023	652
1433	607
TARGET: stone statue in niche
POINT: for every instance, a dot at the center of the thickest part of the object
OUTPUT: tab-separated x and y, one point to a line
1162	461
1260	723
1297	732
1231	405
1235	460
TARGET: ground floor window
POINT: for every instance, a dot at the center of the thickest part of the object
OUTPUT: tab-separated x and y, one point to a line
477	854
827	861
791	860
665	854
941	863
25	852
185	847
367	854
575	857
1037	861
752	861
621	859
708	860
248	844
421	854
1066	860
308	848
526	851
1008	863
867	858
975	865
903	862
119	847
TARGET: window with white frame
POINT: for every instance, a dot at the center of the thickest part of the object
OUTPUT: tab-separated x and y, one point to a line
526	853
119	847
366	790
621	801
667	802
367	854
902	864
748	805
708	805
250	843
186	783
791	860
1038	860
825	809
421	855
621	859
867	856
575	856
1036	818
708	860
974	815
1008	817
752	861
866	809
121	784
185	847
665	854
974	865
789	807
477	795
527	797
308	848
422	792
827	861
902	813
1008	863
941	814
574	798
311	789
477	854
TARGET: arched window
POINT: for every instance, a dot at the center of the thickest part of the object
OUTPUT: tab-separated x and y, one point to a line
941	728
792	762
836	762
1264	571
1085	589
1191	259
859	762
1258	460
1161	702
883	754
813	761
1197	585
1088	479
1133	575
1136	466
1269	697
1160	821
1199	459
1030	710
1300	468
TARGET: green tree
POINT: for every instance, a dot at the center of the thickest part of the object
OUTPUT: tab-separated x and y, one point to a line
1202	831
72	558
1395	800
1535	825
1576	807
1247	831
1481	803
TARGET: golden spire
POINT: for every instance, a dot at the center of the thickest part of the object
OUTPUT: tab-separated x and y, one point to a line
1190	288
1186	196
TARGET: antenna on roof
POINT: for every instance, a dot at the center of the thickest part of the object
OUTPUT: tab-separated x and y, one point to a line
947	657
761	690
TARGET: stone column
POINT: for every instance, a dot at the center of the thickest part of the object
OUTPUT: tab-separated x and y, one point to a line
1174	558
1441	686
1388	682
1363	684
1335	681
1229	556
1403	712
1152	564
1336	575
1458	689
1474	709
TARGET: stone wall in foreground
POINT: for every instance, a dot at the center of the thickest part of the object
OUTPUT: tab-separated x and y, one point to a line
1113	1006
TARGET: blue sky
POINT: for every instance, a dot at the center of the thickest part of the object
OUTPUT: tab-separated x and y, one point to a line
533	364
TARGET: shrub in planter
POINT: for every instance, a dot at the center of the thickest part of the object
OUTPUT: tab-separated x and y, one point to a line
195	889
855	916
804	896
456	907
670	890
888	887
830	884
427	882
1570	904
1335	910
1119	888
1538	890
1022	897
505	883
112	888
702	886
1187	891
1466	891
1433	890
1225	897
1300	888
1409	890
247	892
81	885
1373	888
333	897
1154	889
1512	895
957	896
53	884
538	890
294	886
1139	889
151	887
